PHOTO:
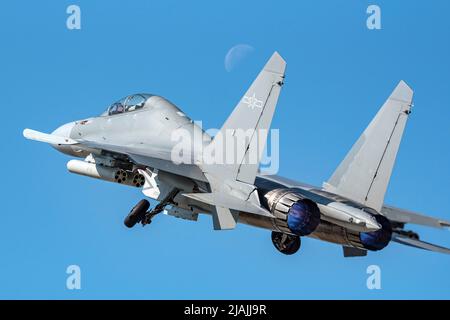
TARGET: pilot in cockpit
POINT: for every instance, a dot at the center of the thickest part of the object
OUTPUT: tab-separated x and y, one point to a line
116	108
127	104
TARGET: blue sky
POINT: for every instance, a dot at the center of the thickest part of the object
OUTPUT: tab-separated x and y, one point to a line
338	75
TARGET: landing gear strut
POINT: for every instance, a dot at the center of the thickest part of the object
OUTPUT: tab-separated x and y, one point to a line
140	214
286	243
159	207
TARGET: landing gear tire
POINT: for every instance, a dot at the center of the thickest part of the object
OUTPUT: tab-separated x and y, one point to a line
137	213
286	243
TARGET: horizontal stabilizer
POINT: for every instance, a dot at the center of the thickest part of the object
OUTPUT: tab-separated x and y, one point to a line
406	216
47	138
418	244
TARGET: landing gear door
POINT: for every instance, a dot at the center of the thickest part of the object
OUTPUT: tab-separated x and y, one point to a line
153	187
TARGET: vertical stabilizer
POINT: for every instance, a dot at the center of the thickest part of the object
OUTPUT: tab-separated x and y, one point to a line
244	134
241	141
364	174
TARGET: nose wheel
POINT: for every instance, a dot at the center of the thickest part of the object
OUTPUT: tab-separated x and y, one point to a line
140	212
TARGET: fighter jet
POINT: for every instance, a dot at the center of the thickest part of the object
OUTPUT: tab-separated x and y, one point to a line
145	141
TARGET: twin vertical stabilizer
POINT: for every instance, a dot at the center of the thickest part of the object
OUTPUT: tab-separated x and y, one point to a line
363	176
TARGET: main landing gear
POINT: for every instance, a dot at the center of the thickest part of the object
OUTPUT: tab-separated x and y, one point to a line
137	213
286	243
140	212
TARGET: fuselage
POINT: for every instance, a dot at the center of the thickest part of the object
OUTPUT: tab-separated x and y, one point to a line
157	127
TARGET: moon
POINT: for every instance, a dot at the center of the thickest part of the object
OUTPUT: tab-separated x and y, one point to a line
235	56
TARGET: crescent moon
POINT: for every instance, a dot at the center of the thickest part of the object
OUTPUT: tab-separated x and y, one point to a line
235	56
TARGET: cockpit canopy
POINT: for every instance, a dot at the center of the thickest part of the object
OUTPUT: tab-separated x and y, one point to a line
128	104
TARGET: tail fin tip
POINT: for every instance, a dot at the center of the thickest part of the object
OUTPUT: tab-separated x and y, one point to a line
276	64
402	92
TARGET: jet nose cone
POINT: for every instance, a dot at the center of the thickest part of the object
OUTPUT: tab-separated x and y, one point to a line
64	130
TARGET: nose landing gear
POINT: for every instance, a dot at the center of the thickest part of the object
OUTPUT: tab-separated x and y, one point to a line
140	212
